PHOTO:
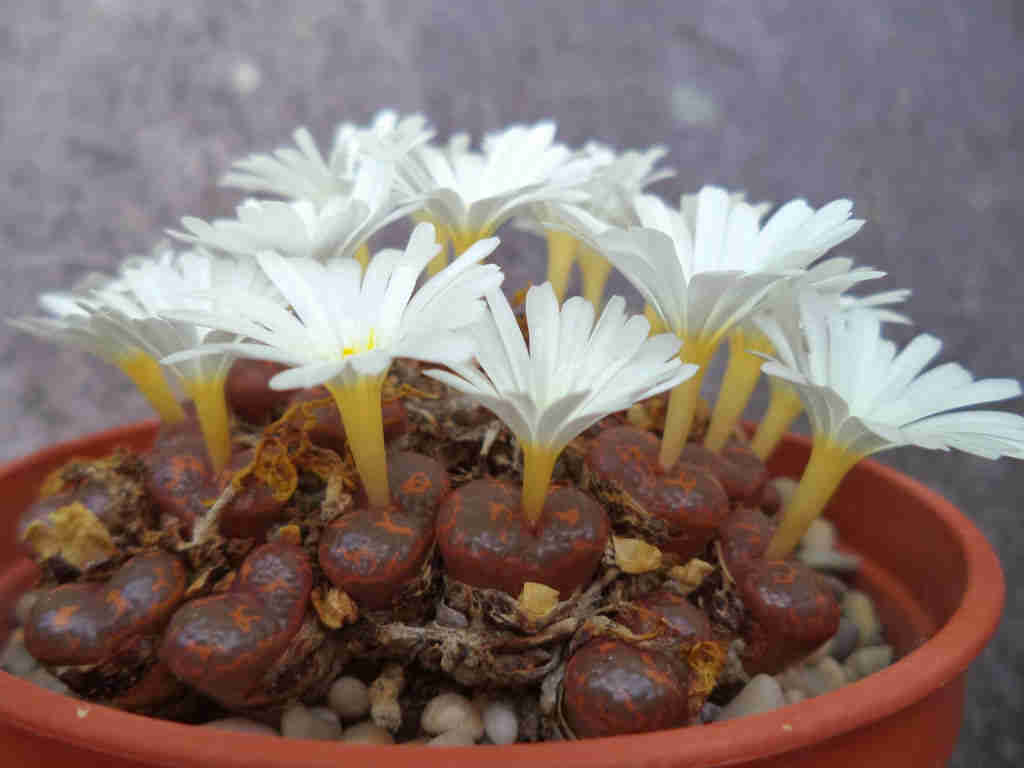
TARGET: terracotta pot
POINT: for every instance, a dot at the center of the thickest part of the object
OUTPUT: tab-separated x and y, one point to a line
936	581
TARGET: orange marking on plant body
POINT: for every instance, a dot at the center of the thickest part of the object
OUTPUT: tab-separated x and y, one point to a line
280	582
243	621
658	675
569	516
498	510
62	617
386	523
358	555
632	453
418	482
116	598
681	480
202	651
160	582
784	574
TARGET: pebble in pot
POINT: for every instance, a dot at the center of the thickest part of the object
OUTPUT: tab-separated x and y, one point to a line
367	733
500	722
452	713
762	694
299	722
349	697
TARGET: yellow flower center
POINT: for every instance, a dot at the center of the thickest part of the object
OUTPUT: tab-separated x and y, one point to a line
371	343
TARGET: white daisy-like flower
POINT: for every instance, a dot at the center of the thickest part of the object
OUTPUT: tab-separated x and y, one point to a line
828	279
80	319
615	181
150	287
337	228
120	320
863	396
468	194
300	172
342	328
573	374
709	265
748	343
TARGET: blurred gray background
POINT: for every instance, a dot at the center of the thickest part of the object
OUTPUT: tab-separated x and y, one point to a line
117	117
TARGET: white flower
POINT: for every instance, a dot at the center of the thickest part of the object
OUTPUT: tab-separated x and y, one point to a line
148	287
118	319
339	323
614	181
302	173
337	228
700	280
878	304
619	179
862	396
710	265
469	194
342	328
865	397
76	319
573	374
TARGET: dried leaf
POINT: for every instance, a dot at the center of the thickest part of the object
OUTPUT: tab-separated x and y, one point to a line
636	555
334	607
691	575
74	534
289	534
536	601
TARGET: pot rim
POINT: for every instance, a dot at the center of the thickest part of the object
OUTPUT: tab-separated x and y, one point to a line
936	662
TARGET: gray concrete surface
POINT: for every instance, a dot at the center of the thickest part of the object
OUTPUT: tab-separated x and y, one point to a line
116	117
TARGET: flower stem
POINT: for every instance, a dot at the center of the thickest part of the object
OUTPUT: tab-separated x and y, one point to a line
362	255
741	375
783	408
561	253
538	464
682	403
657	324
207	392
148	376
359	403
440	261
827	466
595	269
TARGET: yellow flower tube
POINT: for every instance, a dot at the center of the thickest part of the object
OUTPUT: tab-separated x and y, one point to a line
595	269
359	403
826	468
207	392
741	375
148	376
561	254
538	465
682	403
783	409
